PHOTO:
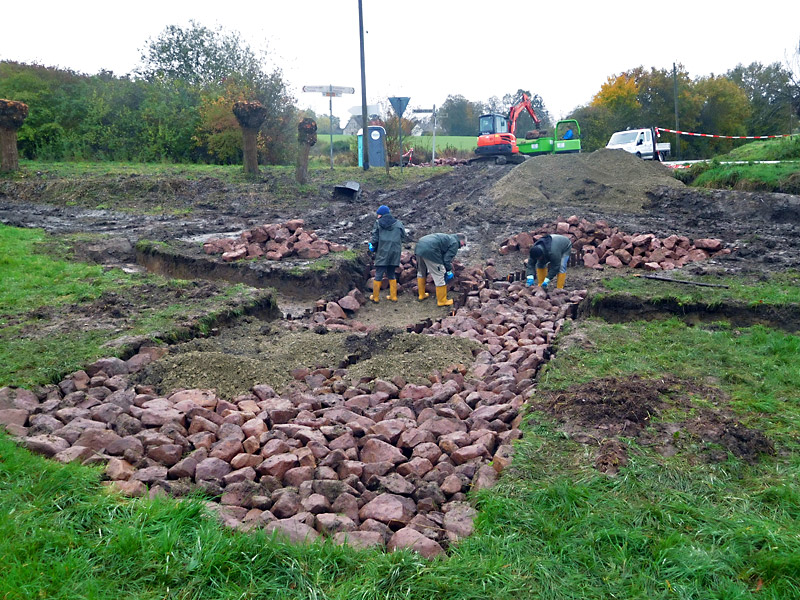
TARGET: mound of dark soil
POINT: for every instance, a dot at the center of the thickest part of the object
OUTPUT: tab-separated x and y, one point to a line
603	412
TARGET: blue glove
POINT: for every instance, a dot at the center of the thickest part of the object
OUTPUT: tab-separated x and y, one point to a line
371	247
545	283
448	276
529	280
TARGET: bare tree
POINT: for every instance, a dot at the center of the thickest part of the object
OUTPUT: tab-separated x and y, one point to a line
12	114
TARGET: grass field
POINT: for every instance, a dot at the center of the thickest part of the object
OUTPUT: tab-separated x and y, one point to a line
36	287
421	141
721	172
666	527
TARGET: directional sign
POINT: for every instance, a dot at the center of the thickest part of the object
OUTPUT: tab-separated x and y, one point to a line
399	104
331	92
329	89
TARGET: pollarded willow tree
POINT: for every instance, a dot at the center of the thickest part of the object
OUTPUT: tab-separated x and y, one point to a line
217	68
250	116
307	137
12	115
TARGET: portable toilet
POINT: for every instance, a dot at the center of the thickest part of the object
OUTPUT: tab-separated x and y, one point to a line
375	146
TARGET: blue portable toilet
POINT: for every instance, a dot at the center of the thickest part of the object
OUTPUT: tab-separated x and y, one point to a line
375	146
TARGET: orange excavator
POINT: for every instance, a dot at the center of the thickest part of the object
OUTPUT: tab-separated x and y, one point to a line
497	133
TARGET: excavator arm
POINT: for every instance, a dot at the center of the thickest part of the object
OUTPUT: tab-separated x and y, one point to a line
516	111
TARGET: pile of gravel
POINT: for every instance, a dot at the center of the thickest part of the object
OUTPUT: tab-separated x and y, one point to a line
607	179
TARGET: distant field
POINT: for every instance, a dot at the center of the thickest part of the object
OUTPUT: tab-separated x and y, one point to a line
459	142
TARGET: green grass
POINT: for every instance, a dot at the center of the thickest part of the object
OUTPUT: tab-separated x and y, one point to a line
771	289
35	285
751	176
755	365
552	528
776	149
459	142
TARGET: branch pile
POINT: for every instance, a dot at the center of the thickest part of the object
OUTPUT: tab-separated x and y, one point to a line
599	245
275	241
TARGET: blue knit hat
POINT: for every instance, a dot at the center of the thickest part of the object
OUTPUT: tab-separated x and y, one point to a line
383	209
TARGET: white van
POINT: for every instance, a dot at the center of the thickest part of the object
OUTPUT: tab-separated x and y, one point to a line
638	142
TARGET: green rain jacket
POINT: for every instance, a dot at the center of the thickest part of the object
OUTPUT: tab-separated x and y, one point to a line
388	235
439	248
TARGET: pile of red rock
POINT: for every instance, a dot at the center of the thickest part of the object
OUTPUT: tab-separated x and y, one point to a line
598	245
447	161
374	463
275	241
406	273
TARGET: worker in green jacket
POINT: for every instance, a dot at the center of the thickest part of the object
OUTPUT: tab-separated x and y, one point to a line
388	235
435	253
549	256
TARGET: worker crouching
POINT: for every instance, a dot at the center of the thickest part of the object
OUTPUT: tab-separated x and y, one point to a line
435	253
388	235
549	257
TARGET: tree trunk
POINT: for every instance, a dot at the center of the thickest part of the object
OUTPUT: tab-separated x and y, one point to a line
250	148
250	116
301	172
307	136
9	158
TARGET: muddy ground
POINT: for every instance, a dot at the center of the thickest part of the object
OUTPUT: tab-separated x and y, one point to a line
487	202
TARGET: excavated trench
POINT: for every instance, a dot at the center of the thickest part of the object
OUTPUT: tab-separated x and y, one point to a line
369	433
622	308
297	279
305	368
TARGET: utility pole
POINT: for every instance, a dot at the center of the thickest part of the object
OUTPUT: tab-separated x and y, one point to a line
675	94
365	123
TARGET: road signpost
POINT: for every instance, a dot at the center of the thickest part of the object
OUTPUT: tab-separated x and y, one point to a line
399	104
433	142
331	91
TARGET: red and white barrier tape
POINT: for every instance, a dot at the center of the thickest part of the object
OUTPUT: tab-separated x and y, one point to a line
729	137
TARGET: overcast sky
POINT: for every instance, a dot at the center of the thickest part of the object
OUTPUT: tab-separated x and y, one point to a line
424	49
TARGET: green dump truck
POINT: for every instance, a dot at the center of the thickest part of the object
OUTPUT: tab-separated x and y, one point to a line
566	139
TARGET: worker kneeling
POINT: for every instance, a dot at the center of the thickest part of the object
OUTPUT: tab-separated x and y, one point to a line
549	257
435	253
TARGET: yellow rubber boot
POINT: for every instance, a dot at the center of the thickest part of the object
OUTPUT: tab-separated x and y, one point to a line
376	291
441	296
561	280
541	275
421	287
392	290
